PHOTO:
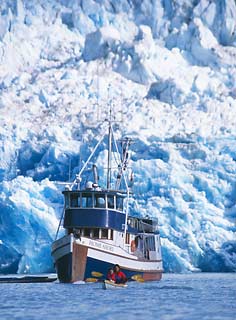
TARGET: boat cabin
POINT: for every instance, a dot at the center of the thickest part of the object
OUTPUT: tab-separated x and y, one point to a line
99	215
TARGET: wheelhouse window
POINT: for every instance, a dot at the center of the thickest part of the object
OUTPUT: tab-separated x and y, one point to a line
110	201
119	203
94	200
99	200
86	200
67	201
74	200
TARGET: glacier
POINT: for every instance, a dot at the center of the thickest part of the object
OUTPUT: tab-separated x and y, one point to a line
168	69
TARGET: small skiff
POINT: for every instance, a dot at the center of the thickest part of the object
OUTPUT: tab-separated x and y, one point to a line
112	285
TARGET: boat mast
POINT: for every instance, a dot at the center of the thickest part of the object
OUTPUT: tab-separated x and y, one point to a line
122	167
109	151
124	160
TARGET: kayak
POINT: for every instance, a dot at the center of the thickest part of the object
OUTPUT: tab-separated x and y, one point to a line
107	284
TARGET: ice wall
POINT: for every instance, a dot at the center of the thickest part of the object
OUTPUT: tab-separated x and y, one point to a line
168	69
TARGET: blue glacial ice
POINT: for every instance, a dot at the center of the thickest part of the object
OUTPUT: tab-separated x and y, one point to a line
169	70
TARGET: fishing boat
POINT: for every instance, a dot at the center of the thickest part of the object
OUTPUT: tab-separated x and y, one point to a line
99	230
107	284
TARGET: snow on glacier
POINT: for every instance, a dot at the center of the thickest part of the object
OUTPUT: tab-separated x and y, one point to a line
168	70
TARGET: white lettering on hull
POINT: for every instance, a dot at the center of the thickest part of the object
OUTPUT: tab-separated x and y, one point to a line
100	245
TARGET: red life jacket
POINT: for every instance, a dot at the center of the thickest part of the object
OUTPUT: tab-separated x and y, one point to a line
120	277
111	277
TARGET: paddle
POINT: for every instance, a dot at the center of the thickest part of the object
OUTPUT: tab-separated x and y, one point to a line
138	278
96	274
91	280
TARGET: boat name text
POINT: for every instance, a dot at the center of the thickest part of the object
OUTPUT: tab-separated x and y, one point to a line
100	245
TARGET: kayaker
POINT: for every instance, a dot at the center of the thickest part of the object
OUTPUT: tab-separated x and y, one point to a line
120	277
111	275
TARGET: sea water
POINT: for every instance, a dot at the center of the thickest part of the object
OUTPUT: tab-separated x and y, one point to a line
186	296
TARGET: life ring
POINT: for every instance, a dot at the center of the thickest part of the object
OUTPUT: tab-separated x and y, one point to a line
133	246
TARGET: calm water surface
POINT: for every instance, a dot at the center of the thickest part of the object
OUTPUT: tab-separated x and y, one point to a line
190	297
